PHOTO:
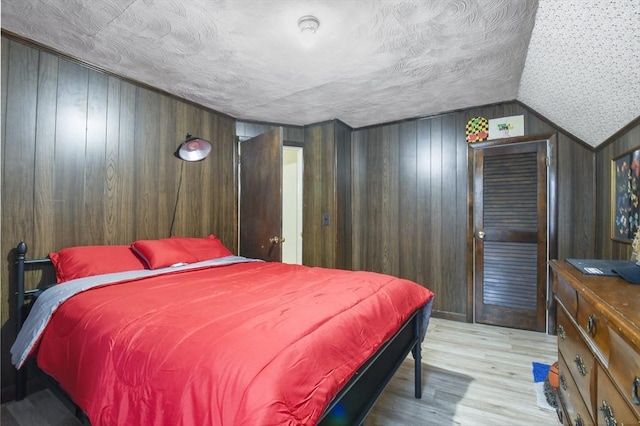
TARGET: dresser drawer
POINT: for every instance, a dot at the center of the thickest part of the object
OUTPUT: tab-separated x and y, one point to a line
570	398
624	368
596	326
579	360
566	295
612	407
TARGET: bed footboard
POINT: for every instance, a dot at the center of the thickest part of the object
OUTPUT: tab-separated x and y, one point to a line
352	404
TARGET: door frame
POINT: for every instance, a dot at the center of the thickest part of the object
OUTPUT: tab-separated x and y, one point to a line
299	150
552	217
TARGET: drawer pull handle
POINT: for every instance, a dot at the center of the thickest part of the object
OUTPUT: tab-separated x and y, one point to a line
561	332
608	414
578	421
591	324
635	390
563	382
580	364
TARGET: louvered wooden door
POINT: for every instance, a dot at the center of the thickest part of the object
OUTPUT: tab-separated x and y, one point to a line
510	235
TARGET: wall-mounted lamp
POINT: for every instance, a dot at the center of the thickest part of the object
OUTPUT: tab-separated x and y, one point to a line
193	149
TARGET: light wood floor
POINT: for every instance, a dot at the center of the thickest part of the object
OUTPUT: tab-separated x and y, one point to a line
473	374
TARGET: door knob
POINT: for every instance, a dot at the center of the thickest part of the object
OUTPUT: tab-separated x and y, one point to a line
276	240
480	235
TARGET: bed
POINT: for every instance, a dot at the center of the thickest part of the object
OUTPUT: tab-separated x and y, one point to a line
179	331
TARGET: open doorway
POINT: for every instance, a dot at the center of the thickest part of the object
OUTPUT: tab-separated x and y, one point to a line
292	177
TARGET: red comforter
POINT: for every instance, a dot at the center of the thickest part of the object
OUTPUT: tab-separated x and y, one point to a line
245	344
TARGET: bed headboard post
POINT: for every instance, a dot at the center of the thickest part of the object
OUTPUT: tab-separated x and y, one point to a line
22	251
21	376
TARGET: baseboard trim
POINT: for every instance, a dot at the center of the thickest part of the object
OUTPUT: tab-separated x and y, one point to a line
453	316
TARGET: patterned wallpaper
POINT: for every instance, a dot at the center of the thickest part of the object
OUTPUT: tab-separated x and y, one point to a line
583	66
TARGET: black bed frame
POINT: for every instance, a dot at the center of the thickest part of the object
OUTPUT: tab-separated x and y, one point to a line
349	407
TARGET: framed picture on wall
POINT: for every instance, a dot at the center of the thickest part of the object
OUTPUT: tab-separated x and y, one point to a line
625	196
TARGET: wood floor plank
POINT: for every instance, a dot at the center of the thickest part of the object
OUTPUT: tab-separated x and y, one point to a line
27	414
6	418
53	409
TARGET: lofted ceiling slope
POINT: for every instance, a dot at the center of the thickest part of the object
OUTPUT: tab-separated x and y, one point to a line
575	62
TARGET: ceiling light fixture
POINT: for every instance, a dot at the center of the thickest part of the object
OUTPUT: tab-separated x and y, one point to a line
308	24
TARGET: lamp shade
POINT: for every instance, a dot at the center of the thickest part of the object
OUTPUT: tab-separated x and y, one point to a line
193	149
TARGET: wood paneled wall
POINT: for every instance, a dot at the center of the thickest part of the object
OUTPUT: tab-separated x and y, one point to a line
327	190
606	247
410	207
87	158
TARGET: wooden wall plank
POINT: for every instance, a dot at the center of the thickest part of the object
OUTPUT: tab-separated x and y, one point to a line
146	172
112	182
407	199
344	251
125	212
452	234
19	145
4	70
167	164
204	178
225	222
190	204
44	217
358	194
18	158
69	168
390	196
577	172
94	184
425	244
435	276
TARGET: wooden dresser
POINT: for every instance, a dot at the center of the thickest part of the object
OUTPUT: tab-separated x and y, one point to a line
598	348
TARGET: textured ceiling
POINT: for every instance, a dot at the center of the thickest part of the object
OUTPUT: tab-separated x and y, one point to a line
371	61
583	66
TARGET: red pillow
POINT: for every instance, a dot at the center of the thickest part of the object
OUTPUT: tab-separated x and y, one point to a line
162	253
85	261
175	250
206	248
